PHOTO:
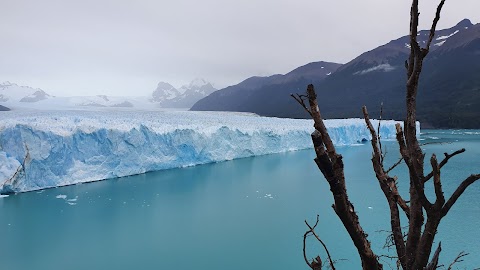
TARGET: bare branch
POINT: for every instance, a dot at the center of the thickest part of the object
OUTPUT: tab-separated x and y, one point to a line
401	143
317	262
457	259
312	231
443	162
304	249
436	182
434	26
434	262
377	154
331	165
400	201
415	181
394	165
318	122
382	154
299	99
458	192
421	194
387	184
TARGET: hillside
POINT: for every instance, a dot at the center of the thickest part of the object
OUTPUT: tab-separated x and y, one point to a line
248	95
449	95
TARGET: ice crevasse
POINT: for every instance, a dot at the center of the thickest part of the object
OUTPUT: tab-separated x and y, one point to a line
49	149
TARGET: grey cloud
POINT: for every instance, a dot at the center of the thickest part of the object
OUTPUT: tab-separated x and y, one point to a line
126	47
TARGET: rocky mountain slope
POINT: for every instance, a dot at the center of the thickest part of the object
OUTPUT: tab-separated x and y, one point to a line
449	88
249	95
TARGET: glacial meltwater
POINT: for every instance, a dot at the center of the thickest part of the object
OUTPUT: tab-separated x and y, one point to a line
243	214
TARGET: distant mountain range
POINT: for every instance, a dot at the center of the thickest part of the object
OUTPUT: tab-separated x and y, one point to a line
10	92
449	94
13	96
168	96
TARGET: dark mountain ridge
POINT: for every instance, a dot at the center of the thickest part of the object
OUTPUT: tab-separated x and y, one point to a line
243	96
449	90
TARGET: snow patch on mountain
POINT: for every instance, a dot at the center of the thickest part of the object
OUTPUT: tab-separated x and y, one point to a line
382	67
445	37
439	43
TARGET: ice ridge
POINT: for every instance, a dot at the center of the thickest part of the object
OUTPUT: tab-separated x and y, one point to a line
49	149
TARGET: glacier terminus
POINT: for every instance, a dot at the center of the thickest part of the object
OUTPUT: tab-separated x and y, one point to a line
44	149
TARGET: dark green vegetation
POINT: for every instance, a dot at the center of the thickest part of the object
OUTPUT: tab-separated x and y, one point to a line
450	83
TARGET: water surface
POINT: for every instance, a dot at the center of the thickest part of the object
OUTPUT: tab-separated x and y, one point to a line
242	214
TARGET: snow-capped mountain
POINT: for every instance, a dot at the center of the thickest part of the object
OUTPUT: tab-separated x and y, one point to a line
164	92
100	101
11	93
450	85
392	55
168	96
15	97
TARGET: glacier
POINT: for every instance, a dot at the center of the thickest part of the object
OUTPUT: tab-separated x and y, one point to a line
44	149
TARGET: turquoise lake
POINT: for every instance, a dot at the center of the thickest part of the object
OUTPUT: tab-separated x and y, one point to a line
242	214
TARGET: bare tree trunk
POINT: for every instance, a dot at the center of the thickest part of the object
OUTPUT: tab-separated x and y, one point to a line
331	165
414	253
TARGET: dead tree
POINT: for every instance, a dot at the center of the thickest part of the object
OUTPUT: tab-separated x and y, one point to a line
413	252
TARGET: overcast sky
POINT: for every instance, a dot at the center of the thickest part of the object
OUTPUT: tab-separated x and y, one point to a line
120	47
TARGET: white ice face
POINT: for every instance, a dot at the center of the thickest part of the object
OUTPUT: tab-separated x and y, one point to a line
68	147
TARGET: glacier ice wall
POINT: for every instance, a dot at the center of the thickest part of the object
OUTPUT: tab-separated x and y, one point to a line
48	149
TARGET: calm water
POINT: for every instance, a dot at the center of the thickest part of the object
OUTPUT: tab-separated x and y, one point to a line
243	214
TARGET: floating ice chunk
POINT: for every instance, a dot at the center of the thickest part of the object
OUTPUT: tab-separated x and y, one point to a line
73	200
61	196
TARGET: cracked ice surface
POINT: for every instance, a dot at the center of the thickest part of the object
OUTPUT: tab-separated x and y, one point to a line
68	147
